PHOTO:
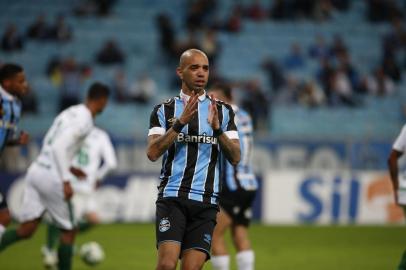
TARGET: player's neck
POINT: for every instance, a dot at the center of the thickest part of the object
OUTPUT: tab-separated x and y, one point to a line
190	93
91	108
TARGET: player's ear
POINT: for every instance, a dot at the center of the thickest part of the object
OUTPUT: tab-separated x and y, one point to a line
179	73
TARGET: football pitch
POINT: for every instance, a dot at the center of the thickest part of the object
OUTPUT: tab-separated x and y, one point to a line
131	246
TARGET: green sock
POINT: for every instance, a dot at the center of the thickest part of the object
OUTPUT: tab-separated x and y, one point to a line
52	236
402	265
9	237
84	226
65	257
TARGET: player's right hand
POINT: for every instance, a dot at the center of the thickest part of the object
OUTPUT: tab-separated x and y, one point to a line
81	175
67	190
190	109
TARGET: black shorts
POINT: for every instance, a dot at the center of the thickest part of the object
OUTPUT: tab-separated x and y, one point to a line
238	205
190	223
3	201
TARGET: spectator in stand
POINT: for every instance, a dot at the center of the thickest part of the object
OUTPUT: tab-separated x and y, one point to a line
281	10
380	10
30	102
110	54
395	41
391	69
319	49
233	23
288	93
338	47
256	103
71	84
311	95
60	31
344	63
325	77
120	86
295	59
379	84
39	29
342	93
255	11
210	45
11	40
167	36
275	74
143	89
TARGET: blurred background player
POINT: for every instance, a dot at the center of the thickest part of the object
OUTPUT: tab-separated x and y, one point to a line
95	159
13	85
399	185
239	186
190	131
48	179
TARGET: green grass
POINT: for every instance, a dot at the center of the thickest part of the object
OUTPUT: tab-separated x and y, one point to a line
132	246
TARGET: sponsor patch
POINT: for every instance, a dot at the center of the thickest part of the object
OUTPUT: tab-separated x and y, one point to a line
164	225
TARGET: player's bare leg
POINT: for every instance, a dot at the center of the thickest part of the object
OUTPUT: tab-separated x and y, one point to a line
245	255
168	255
5	219
193	259
24	231
221	259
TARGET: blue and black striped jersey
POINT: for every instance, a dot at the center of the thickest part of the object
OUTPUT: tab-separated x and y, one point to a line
241	176
10	111
190	167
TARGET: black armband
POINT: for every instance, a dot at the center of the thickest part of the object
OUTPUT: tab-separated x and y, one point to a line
178	126
217	132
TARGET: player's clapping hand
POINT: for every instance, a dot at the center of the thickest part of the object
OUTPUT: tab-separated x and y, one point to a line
81	175
67	190
213	118
24	138
190	109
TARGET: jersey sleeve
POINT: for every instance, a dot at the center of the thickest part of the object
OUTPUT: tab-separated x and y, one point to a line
66	145
228	125
109	157
400	142
157	121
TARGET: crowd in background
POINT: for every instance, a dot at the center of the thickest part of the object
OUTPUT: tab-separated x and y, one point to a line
337	82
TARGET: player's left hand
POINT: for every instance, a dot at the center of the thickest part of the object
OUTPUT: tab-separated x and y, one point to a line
213	118
81	175
24	138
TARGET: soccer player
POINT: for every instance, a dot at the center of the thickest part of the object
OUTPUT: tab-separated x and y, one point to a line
190	131
96	158
237	195
48	179
399	187
12	86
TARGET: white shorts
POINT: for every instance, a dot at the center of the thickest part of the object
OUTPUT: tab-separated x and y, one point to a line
43	191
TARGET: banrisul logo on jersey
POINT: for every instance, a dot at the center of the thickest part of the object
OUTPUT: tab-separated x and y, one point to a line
204	138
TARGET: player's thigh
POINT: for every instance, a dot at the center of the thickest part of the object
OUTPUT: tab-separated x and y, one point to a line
32	206
224	221
193	259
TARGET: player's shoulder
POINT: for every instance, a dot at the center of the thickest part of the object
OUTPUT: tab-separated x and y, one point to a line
222	103
166	102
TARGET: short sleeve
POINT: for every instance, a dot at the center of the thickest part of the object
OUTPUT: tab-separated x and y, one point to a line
157	121
400	142
230	128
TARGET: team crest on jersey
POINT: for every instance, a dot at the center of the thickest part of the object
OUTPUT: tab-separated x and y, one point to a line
164	225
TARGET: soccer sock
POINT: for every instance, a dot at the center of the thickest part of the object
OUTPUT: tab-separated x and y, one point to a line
245	260
8	238
220	262
65	257
52	236
84	226
402	264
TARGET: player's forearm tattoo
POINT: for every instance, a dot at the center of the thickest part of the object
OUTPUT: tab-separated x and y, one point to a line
230	148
